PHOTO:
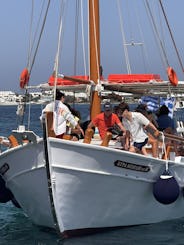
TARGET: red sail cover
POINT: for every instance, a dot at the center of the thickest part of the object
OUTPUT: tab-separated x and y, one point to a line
133	78
61	81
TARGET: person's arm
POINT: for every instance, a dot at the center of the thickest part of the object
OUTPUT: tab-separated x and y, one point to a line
120	125
70	117
148	125
67	116
127	140
156	131
91	125
80	129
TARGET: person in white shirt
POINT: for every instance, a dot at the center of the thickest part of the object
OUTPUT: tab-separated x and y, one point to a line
136	123
62	115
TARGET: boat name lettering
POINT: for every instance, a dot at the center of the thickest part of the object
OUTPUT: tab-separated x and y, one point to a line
131	166
4	168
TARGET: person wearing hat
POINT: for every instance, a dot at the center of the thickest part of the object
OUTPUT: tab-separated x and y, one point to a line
105	120
136	123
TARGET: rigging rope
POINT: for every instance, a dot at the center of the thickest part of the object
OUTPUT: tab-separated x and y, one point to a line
164	151
42	28
83	43
56	65
157	33
172	37
124	39
61	19
32	43
146	60
30	37
76	36
88	40
27	71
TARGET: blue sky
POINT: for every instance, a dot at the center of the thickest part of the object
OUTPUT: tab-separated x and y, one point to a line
15	23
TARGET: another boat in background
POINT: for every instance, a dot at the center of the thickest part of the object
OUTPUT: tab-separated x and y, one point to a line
179	104
9	98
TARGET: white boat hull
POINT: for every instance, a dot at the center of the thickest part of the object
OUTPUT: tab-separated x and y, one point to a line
27	179
91	192
92	186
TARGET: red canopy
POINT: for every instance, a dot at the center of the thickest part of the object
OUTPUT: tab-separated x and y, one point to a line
132	78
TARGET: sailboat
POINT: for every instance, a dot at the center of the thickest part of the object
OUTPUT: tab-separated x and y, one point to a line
78	187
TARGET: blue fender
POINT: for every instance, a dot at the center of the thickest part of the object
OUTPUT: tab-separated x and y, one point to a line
166	189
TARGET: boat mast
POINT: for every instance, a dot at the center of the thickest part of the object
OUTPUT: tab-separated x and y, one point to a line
94	48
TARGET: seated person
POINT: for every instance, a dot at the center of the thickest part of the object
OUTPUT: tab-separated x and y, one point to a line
142	108
105	120
135	123
71	130
62	115
163	119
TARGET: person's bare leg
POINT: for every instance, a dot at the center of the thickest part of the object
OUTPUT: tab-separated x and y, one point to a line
144	152
154	144
132	149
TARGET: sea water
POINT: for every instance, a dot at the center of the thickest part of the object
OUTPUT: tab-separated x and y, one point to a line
17	229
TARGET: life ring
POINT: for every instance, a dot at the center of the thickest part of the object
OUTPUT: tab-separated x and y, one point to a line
24	78
172	76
